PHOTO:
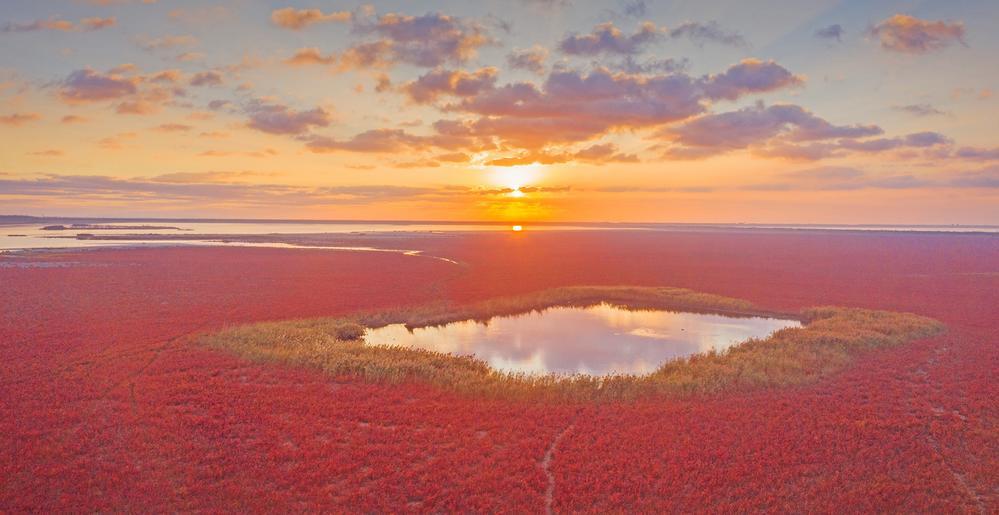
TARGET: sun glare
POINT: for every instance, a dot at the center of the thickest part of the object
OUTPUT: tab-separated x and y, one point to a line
517	228
516	177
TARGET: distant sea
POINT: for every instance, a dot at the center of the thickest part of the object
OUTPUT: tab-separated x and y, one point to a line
19	232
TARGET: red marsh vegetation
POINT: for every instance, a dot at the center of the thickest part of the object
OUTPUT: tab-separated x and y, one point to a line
104	408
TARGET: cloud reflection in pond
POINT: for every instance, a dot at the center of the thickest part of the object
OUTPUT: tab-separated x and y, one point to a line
597	340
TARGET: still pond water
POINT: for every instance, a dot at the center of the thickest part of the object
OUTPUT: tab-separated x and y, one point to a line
597	340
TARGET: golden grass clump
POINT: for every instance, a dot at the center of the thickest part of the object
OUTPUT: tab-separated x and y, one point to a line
828	341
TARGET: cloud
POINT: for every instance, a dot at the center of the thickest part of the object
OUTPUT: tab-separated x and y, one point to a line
138	107
375	140
19	119
173	127
573	106
188	57
920	110
167	77
48	153
831	32
833	178
377	54
530	59
310	56
914	140
749	76
280	119
984	178
608	39
604	153
98	23
789	125
420	163
653	65
213	177
978	154
85	24
267	152
430	40
428	87
701	33
87	85
135	93
453	157
116	142
596	154
72	118
199	188
296	19
207	78
907	34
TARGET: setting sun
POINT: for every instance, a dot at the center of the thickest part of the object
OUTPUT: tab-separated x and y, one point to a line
517	228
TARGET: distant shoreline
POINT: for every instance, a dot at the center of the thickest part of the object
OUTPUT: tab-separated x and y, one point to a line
6	220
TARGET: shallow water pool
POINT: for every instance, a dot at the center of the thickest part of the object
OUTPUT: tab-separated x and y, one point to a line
596	340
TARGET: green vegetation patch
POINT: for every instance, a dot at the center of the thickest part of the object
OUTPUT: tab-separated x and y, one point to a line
829	340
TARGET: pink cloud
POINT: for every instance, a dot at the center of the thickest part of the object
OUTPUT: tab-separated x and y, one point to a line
87	85
749	76
608	39
207	78
430	40
280	119
459	83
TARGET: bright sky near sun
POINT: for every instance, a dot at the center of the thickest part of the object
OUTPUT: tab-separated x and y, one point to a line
804	111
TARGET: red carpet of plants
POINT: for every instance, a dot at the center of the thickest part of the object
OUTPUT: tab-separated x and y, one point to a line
102	408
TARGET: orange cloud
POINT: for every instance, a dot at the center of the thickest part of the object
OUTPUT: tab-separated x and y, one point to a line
85	24
19	119
48	153
596	154
295	19
310	56
908	34
376	140
173	127
72	118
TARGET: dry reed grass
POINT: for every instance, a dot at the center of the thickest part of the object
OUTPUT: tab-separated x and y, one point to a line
829	340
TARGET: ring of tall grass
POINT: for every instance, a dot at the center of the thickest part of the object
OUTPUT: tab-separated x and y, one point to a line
829	339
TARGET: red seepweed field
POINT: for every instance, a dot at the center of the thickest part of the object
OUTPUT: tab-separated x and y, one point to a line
104	408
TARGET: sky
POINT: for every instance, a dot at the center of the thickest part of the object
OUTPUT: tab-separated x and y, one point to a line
808	111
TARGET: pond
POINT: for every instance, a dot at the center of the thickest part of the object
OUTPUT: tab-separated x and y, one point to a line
596	340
